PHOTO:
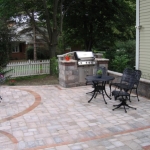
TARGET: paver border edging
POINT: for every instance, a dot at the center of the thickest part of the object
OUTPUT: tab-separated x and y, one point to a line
35	104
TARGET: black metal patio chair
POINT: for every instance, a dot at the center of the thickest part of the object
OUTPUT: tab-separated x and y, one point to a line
124	94
138	74
125	79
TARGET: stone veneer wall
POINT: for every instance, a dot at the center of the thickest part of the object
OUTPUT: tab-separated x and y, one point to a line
69	73
143	88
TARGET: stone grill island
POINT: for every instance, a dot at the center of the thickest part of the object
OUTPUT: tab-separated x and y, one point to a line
72	72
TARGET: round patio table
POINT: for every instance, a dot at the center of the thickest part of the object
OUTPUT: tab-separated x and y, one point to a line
99	84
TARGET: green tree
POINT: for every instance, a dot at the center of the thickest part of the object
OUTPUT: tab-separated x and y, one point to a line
95	23
50	13
5	46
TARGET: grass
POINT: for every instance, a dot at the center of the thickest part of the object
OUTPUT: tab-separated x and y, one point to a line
44	79
30	77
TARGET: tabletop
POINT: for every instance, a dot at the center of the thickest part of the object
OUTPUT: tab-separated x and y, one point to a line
99	79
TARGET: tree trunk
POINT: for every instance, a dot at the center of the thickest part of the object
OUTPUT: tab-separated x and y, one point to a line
34	37
48	26
34	40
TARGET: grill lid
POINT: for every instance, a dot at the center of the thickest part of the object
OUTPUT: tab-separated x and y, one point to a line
81	55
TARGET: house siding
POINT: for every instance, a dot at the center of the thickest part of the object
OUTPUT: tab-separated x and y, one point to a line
19	55
144	52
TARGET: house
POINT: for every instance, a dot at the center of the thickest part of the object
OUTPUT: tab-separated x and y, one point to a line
24	38
143	37
18	50
143	45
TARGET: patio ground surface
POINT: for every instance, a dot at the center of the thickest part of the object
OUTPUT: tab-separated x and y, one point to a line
51	117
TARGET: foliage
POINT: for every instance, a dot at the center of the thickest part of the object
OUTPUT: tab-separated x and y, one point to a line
42	53
122	55
129	50
119	63
99	23
92	23
30	77
110	54
99	72
3	73
12	82
54	66
68	55
5	45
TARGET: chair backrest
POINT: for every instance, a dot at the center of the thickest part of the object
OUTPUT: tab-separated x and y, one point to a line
134	79
138	74
103	70
127	73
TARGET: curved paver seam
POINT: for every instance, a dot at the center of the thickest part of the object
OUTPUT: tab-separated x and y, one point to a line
35	104
89	139
146	147
10	136
58	87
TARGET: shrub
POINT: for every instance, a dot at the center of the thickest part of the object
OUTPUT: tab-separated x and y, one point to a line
119	63
129	50
120	56
54	66
42	53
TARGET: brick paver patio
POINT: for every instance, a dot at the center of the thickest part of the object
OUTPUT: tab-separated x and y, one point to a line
57	118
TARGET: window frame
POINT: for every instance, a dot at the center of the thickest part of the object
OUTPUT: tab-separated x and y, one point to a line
15	49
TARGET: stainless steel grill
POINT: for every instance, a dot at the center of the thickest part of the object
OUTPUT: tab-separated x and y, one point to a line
84	58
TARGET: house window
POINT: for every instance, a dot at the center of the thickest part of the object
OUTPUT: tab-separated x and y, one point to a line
15	49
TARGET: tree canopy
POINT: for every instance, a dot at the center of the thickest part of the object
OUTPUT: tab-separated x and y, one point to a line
96	23
91	23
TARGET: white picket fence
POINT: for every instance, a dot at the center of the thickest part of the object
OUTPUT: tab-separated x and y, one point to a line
28	68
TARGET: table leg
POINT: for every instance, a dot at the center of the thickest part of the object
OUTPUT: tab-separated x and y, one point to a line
104	97
92	97
104	84
94	91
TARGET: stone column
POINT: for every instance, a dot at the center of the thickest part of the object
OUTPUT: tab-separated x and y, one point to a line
102	62
68	73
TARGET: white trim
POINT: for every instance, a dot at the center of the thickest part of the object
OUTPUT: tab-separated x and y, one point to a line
137	33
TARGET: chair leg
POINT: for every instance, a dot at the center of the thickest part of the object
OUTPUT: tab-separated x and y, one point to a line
90	92
0	99
110	88
124	104
130	106
125	109
104	97
137	95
